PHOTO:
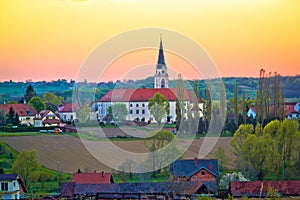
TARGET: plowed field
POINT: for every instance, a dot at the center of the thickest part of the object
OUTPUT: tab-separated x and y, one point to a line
68	152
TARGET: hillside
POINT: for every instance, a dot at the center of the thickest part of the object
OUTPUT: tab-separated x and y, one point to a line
10	90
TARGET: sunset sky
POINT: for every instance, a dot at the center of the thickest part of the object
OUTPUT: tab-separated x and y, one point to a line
50	39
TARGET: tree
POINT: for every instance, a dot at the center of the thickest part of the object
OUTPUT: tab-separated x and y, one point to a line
244	107
29	93
25	165
127	167
37	104
237	141
11	116
83	113
3	117
158	156
258	156
158	106
236	105
222	101
221	157
207	108
118	112
288	141
179	101
49	97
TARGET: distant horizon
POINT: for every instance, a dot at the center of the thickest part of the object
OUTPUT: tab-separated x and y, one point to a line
114	81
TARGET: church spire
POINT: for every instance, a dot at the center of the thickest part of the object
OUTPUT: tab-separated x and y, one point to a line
161	78
161	57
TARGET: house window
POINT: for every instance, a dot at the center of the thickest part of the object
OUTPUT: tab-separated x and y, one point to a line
137	105
71	117
4	186
143	111
131	105
130	112
137	112
14	183
202	172
143	105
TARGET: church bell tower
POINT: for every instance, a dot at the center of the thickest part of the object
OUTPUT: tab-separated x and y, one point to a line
161	78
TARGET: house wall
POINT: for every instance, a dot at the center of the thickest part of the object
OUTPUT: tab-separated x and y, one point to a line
67	116
50	115
201	175
26	120
13	190
204	175
140	110
38	123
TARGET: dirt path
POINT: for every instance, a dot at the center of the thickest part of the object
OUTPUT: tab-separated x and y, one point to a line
70	154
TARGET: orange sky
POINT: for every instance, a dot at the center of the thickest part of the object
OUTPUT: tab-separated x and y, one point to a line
50	39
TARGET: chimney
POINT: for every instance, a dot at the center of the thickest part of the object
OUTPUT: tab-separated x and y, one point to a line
102	173
210	167
94	171
196	161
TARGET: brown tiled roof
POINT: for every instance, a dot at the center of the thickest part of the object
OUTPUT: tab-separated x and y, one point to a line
21	109
51	121
260	188
140	94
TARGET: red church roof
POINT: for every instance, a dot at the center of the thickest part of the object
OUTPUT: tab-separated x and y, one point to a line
92	178
140	94
21	109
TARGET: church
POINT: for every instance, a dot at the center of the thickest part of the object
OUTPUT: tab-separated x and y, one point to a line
136	100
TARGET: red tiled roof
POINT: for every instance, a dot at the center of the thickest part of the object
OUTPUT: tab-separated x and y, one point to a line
68	107
260	188
140	94
43	113
21	109
92	178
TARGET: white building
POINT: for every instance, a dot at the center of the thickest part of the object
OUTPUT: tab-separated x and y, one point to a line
12	186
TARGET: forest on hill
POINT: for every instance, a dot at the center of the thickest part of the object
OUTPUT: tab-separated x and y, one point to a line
10	90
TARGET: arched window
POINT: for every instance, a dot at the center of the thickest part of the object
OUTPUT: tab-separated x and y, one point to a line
163	83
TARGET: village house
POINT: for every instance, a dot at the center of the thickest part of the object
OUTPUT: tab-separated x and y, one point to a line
67	112
46	118
291	109
26	112
12	186
202	170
